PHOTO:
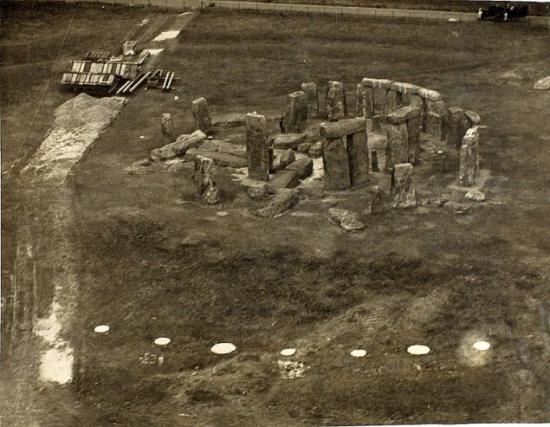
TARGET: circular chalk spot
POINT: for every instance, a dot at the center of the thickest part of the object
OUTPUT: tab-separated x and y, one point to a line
223	348
481	345
358	353
288	352
176	97
101	329
222	213
141	137
162	341
418	349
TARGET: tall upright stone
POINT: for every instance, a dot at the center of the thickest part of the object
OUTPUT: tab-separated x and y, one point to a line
336	101
455	127
414	126
402	192
167	128
296	112
394	101
397	148
258	149
379	89
207	190
436	118
310	89
345	153
364	101
469	158
201	114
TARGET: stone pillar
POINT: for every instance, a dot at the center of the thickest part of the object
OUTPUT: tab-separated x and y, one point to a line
258	150
455	127
414	125
379	88
345	153
167	128
394	101
207	190
403	192
336	101
436	119
296	112
471	119
469	158
201	114
397	148
310	89
364	101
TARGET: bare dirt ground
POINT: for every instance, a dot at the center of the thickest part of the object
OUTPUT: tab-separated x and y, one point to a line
151	262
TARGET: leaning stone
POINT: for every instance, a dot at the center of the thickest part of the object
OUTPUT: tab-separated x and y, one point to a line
543	84
397	150
289	140
403	192
179	147
455	127
316	150
336	165
303	166
167	127
336	101
285	178
345	219
296	112
219	158
475	195
258	150
283	200
201	114
207	190
310	89
343	127
304	147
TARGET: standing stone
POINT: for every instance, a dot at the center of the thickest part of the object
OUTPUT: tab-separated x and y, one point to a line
376	201
310	89
397	148
167	128
455	127
364	101
336	101
203	175
471	119
379	88
414	125
258	150
436	119
336	164
296	112
358	153
403	192
394	101
469	158
201	114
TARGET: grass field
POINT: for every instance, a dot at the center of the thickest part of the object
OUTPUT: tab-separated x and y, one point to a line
154	264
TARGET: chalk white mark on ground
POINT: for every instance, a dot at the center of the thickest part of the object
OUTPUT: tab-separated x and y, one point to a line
223	348
481	345
166	35
288	352
153	51
358	353
418	349
101	329
162	341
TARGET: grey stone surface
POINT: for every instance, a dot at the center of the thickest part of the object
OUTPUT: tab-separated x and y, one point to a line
201	114
472	119
343	127
287	157
260	193
336	165
310	89
455	127
469	159
284	178
364	101
207	190
414	126
167	128
376	201
394	101
403	192
345	219
303	166
397	150
289	140
296	112
283	200
358	155
179	147
542	84
336	101
258	150
316	150
218	157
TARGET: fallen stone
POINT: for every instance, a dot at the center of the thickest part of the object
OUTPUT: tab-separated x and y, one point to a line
284	178
219	158
316	150
542	84
303	166
285	141
207	190
229	120
304	147
287	157
475	195
345	219
403	192
260	193
459	208
179	147
201	114
224	147
283	200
